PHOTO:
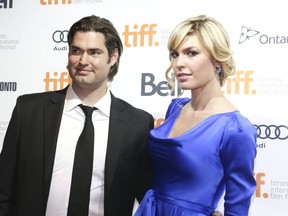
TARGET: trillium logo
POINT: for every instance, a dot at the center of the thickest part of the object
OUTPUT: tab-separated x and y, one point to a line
246	34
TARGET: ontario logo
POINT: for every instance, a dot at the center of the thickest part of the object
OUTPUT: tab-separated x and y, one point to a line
246	34
264	39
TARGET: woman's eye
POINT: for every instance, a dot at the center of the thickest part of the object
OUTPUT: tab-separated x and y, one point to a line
192	53
173	54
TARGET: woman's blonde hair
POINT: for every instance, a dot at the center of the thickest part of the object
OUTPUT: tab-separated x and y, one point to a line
212	36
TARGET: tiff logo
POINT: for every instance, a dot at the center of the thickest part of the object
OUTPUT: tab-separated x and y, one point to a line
6	4
57	81
259	177
241	81
55	2
138	37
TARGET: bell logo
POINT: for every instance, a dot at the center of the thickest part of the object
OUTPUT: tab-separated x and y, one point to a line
6	4
149	87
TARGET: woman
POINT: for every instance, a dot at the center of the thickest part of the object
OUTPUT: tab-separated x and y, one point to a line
205	148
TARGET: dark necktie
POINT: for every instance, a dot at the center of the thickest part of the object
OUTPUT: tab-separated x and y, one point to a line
82	168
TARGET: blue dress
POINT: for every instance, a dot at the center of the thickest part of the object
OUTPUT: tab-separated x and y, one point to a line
192	171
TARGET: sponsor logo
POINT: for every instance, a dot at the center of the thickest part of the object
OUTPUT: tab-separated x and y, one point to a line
56	81
272	132
6	4
149	87
261	145
272	189
68	2
240	83
140	36
60	36
259	177
248	33
55	2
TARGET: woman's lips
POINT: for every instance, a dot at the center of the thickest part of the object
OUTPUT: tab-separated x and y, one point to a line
182	77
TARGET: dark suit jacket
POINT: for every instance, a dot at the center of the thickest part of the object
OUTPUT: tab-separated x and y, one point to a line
27	157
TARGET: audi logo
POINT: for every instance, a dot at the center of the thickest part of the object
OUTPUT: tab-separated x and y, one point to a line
60	36
272	132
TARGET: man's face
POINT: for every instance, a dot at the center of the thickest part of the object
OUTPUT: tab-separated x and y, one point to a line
89	62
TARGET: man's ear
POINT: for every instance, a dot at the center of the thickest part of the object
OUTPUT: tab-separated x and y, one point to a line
114	56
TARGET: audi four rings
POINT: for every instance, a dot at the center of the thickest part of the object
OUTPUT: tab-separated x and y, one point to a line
60	36
272	131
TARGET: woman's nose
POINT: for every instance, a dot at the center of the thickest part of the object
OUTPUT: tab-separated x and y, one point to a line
179	63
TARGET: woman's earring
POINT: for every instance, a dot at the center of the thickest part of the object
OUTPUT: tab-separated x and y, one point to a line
217	69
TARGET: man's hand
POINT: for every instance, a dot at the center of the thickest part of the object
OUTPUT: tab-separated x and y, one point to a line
217	213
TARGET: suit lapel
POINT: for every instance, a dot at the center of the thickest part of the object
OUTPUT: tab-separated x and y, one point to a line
117	124
52	119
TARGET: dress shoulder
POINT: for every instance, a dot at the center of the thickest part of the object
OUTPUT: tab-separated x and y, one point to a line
238	126
175	105
239	139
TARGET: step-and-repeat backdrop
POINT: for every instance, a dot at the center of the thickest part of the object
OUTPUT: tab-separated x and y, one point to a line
33	58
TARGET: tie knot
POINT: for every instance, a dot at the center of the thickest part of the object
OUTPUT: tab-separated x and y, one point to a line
87	110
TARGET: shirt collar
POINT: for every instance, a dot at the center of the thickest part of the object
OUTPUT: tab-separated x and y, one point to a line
72	101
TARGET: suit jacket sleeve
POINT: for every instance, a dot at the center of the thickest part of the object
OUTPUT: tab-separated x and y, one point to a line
8	161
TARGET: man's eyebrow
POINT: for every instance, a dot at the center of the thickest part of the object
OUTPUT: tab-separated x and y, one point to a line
75	47
96	49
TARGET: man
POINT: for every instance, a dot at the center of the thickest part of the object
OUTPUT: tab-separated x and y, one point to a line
38	151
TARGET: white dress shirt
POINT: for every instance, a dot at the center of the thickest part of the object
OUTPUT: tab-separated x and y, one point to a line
71	126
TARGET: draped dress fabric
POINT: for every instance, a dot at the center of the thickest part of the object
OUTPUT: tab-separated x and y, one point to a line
192	171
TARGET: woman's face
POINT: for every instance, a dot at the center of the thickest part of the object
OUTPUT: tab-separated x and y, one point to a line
192	65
